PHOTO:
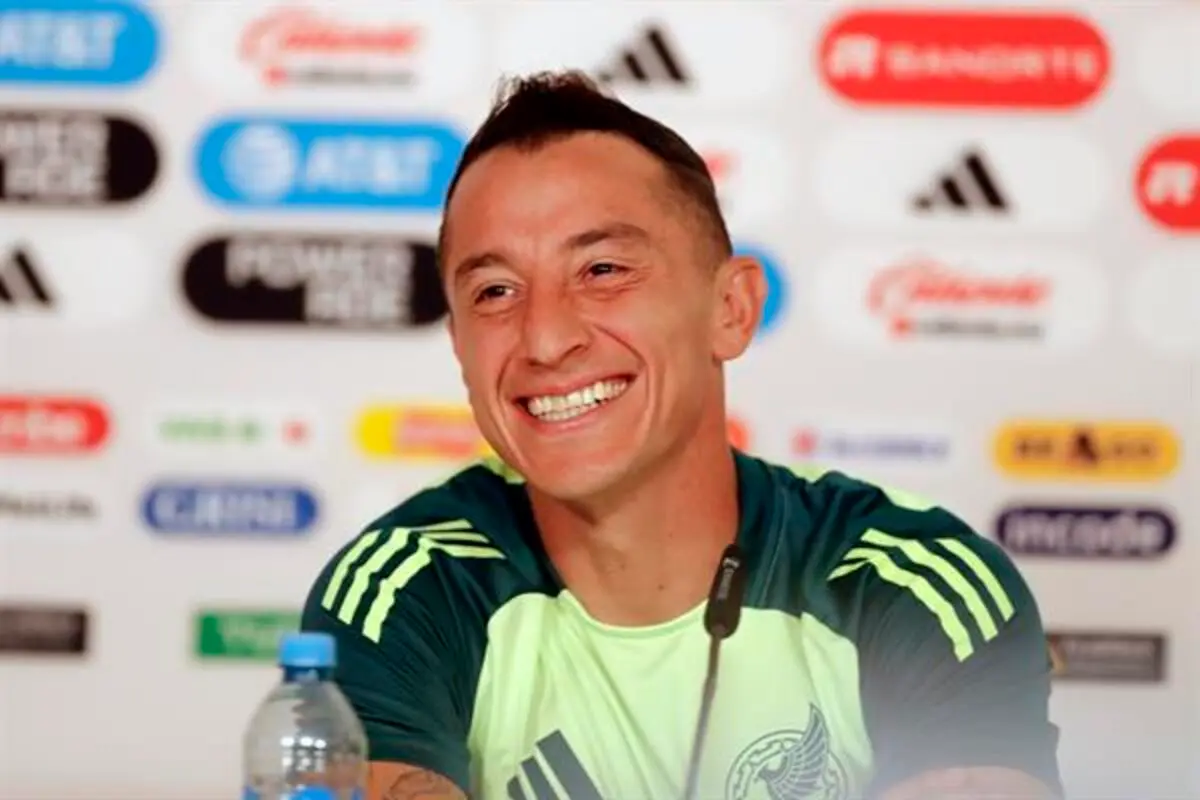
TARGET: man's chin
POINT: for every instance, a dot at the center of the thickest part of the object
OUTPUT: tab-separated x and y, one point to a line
579	482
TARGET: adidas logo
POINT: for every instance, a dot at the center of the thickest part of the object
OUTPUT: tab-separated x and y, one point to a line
968	186
556	754
20	283
649	59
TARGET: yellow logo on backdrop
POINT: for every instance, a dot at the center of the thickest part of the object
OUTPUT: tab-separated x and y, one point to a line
421	433
1087	451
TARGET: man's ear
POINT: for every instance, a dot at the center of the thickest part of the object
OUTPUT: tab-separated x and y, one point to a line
741	291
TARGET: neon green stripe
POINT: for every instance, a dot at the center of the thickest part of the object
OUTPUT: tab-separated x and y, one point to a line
925	593
396	541
984	573
404	572
449	525
343	567
498	467
454	536
907	500
845	569
919	554
364	542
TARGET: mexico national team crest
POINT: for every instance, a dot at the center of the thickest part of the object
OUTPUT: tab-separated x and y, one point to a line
789	765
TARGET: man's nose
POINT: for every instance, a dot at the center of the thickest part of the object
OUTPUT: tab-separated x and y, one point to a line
552	327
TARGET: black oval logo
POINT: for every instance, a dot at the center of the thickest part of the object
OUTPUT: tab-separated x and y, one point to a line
73	158
324	281
1086	531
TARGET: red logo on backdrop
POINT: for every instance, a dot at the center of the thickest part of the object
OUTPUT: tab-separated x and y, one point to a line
923	297
51	425
720	163
986	59
294	43
295	431
804	443
1168	183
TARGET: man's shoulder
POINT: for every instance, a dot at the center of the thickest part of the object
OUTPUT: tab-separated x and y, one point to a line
450	554
486	493
861	547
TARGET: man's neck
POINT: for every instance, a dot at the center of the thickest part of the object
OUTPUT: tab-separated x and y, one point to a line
650	555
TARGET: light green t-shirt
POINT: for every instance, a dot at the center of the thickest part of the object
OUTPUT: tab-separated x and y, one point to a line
880	637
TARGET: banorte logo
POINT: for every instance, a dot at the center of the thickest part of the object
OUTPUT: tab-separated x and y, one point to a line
1168	183
420	433
980	58
922	297
47	425
1117	451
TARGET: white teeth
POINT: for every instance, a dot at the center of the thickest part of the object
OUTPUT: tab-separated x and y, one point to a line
557	408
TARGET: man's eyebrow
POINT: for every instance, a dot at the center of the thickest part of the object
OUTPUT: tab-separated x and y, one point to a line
616	231
472	263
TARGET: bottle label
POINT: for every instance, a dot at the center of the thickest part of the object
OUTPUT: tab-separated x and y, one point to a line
311	793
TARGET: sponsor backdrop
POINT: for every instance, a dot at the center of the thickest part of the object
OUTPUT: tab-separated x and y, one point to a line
223	344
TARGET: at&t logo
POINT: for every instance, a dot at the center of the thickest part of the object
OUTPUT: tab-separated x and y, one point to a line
312	163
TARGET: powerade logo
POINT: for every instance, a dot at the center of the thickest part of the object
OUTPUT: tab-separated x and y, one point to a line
73	158
96	42
319	164
1085	532
229	507
777	288
317	280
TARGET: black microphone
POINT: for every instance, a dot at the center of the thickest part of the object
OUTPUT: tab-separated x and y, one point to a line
721	617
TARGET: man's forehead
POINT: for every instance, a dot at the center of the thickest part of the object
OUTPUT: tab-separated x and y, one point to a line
574	163
517	186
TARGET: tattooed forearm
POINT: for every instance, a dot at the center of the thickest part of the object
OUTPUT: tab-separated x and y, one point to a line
404	782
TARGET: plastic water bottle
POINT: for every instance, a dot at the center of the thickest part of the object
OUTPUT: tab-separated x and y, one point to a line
305	741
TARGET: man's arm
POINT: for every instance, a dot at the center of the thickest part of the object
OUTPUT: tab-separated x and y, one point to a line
389	780
403	672
954	664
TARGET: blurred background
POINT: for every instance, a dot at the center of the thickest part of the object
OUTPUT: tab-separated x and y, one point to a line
222	343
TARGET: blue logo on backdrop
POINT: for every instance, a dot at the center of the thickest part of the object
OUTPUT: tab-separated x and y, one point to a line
107	42
328	165
229	507
777	288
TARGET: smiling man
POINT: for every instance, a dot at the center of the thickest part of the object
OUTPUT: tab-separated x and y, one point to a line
533	629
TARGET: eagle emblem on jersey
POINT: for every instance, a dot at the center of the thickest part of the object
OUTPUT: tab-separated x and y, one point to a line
789	765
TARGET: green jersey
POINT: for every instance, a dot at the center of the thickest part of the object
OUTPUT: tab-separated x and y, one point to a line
880	637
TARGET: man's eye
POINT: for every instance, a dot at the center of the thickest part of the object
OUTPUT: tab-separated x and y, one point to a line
603	268
493	292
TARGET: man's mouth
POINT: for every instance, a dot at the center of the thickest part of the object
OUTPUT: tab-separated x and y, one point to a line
562	407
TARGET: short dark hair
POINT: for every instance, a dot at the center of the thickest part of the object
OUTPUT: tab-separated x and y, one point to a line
534	110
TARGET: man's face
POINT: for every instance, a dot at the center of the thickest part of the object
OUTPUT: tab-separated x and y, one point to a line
587	311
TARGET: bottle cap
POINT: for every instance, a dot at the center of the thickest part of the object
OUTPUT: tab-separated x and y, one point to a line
307	650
